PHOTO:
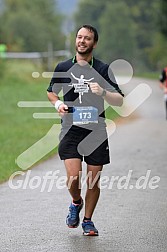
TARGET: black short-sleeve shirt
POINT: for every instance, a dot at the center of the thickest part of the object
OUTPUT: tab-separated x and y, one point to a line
68	75
162	77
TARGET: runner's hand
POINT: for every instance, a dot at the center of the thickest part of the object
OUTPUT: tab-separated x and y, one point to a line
63	109
95	88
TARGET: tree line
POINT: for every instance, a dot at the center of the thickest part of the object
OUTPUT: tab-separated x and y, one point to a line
129	29
30	25
132	30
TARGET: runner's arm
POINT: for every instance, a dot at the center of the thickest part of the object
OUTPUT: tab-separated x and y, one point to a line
59	105
112	98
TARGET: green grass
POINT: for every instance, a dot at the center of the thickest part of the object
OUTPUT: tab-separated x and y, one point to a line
148	75
19	130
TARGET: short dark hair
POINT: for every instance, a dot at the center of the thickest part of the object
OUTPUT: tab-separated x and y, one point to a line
91	29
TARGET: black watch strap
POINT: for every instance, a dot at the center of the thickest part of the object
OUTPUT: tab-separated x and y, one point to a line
103	93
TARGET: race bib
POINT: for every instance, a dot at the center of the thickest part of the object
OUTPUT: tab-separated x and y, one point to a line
85	115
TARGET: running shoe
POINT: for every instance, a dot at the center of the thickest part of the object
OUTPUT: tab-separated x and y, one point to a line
73	219
89	229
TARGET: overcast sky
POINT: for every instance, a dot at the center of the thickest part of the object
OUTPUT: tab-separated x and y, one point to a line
67	6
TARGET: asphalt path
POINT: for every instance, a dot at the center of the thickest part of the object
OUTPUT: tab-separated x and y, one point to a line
131	214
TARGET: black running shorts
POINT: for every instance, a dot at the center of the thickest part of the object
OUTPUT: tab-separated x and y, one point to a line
90	146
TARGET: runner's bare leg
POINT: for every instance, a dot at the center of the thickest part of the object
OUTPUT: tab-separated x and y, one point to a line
73	169
92	194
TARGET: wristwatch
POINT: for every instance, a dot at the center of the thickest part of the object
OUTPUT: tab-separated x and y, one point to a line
103	93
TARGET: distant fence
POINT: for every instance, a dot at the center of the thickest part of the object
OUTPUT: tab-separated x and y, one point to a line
35	55
47	57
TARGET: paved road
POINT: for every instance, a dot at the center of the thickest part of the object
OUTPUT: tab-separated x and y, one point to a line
128	219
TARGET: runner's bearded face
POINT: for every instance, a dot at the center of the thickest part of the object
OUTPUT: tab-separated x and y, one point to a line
85	41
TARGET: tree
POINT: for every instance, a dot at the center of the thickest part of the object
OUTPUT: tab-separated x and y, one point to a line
163	17
31	25
126	27
158	52
116	33
114	24
89	12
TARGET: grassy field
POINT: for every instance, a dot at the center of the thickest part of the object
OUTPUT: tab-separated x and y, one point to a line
149	75
19	130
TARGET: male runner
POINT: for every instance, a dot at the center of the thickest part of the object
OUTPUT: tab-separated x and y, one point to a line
163	85
83	134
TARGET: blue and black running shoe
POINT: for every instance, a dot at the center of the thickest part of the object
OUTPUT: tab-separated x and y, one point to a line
89	229
73	219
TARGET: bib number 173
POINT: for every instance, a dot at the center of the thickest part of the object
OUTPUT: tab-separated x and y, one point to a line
85	115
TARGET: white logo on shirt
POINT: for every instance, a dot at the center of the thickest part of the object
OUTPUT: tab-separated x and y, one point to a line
82	86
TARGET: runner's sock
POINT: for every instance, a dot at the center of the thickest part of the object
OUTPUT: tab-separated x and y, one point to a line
86	219
77	202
